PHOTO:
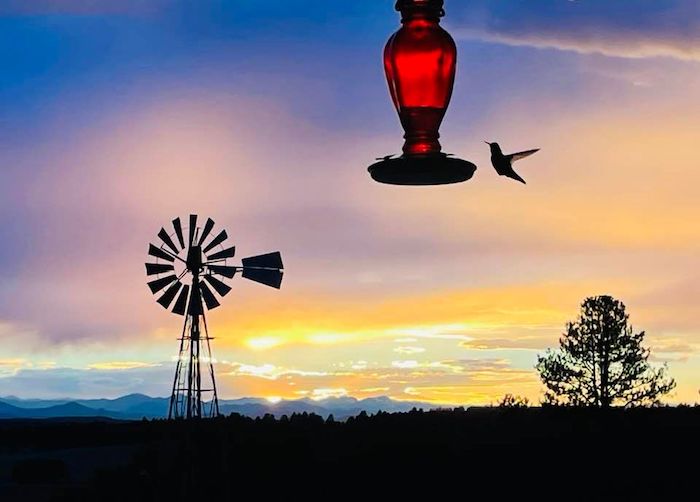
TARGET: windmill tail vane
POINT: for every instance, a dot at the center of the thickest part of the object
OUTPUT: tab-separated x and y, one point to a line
189	277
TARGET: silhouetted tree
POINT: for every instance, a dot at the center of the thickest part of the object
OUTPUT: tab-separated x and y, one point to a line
511	401
601	361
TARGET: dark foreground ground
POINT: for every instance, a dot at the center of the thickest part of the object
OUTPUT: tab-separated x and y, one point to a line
513	454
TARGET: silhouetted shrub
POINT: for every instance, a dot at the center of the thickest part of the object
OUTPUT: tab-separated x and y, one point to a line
511	401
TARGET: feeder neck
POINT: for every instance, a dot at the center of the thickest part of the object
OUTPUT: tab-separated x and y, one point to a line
412	10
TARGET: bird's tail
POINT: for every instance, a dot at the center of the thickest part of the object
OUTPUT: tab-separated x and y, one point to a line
516	177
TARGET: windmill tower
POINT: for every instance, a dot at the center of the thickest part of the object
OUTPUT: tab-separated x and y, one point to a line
184	274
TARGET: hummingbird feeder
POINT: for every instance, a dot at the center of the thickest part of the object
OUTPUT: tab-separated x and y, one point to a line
420	62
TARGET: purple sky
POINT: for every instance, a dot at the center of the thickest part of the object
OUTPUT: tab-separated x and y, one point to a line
116	117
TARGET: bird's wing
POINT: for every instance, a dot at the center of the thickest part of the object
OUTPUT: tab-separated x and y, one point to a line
521	155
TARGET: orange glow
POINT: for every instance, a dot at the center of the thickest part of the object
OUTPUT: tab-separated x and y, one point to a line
456	315
638	239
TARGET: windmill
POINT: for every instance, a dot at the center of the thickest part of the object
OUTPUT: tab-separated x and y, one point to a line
189	263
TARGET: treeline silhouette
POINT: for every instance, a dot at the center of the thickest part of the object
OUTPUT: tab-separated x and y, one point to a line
589	454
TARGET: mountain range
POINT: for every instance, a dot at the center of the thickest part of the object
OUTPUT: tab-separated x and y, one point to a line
137	406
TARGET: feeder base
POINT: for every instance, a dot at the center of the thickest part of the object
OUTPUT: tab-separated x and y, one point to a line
422	170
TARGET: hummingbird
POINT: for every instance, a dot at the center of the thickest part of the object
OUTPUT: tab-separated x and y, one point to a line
504	163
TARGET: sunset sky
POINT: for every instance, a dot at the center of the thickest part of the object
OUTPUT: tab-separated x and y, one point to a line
117	116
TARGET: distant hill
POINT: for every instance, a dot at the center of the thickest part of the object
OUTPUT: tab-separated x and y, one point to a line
9	411
64	410
137	406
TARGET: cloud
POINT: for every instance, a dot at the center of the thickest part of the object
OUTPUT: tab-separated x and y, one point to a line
267	371
405	365
519	342
409	350
471	380
11	366
494	265
321	394
623	28
444	381
118	182
120	365
88	383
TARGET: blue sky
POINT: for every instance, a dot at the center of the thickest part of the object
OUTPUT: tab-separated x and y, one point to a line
117	116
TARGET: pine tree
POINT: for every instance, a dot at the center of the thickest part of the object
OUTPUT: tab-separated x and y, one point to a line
601	362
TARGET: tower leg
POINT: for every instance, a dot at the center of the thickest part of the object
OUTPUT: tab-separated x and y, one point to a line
190	365
196	367
215	398
175	395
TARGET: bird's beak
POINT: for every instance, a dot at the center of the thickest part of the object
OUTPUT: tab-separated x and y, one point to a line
487	143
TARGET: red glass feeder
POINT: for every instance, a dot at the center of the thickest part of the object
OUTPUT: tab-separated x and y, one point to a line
420	61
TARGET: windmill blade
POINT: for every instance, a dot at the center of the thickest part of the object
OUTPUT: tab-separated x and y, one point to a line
193	227
219	286
208	227
159	284
167	240
177	225
195	306
223	270
270	260
181	303
156	252
167	298
217	240
158	268
226	253
209	298
268	277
